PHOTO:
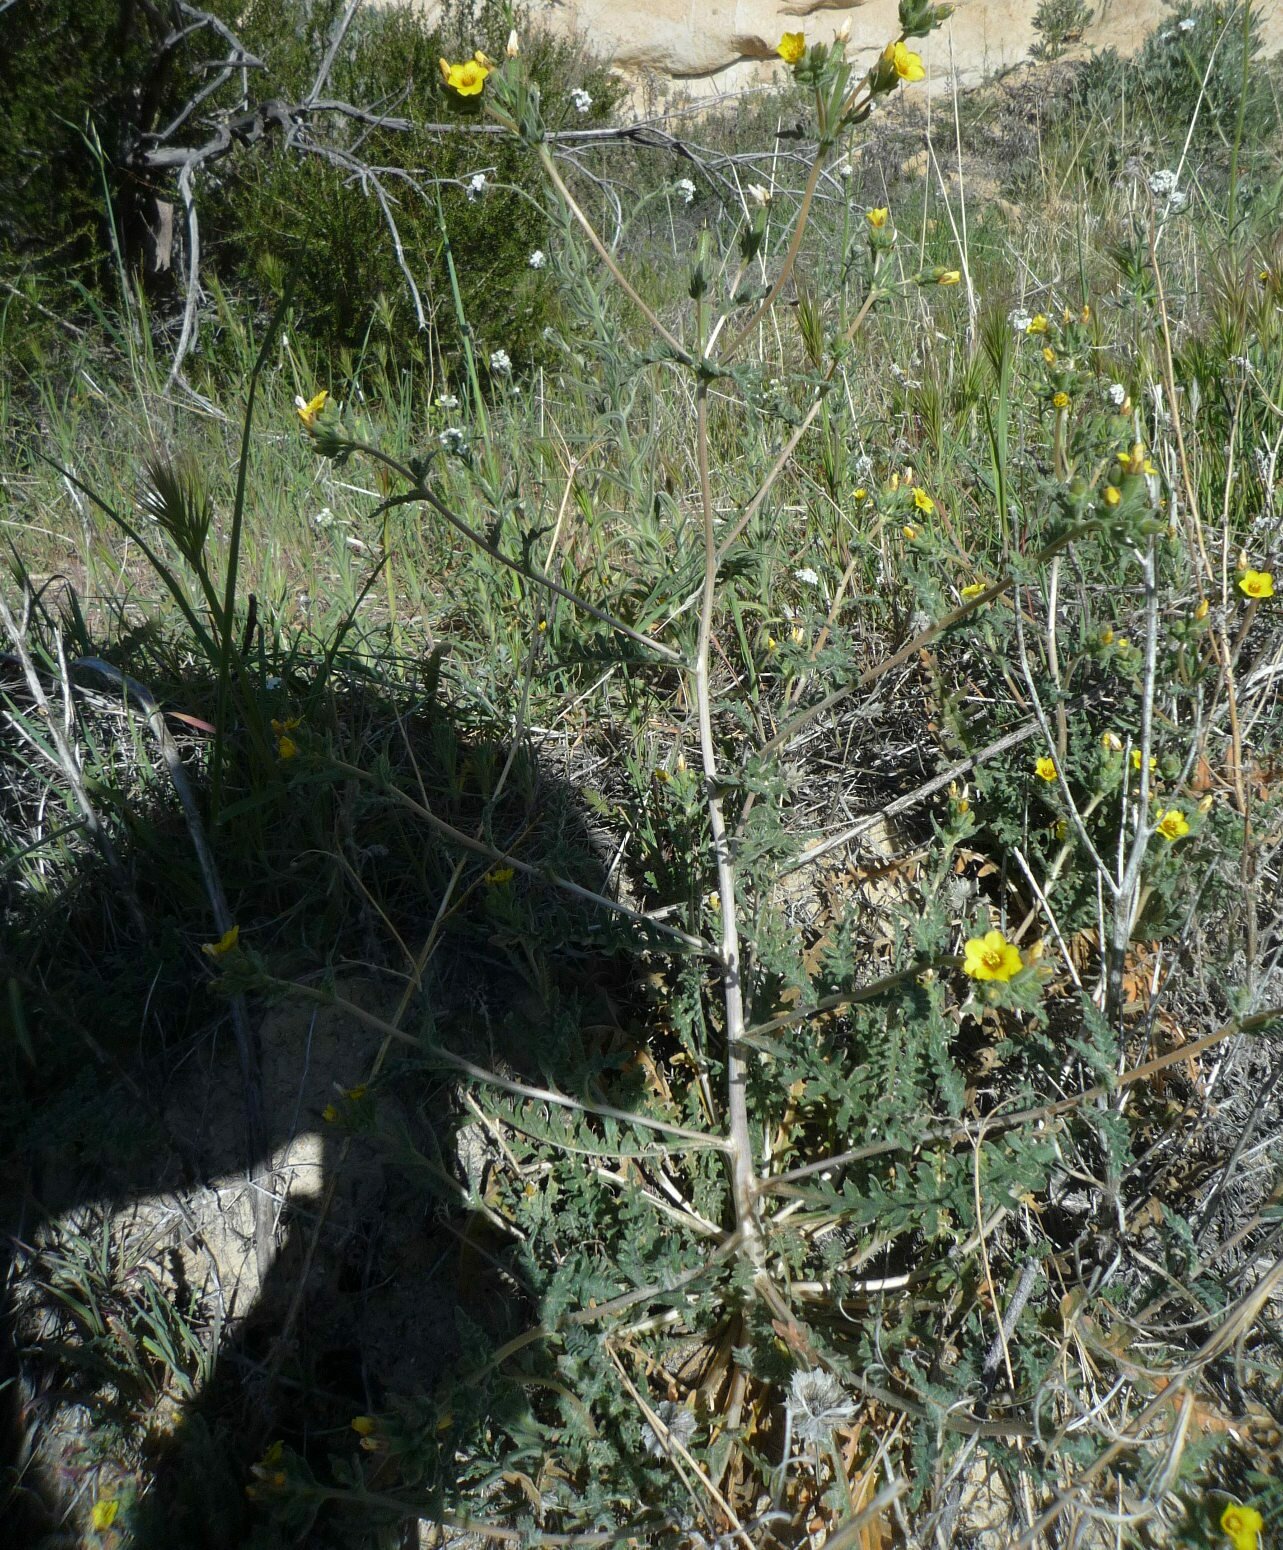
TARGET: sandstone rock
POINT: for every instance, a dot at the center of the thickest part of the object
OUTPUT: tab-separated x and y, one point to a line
706	47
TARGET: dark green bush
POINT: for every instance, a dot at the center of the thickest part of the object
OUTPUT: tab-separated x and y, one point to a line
275	206
1165	79
268	208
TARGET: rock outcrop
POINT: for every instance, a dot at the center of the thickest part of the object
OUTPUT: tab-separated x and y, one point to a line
705	47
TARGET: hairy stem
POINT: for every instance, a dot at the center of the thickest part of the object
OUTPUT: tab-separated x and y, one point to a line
743	1177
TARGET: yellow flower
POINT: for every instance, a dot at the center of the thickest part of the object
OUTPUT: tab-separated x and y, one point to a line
329	1114
307	412
1136	461
991	957
1049	355
288	725
877	218
1107	636
363	1425
499	875
771	643
973	589
1256	583
796	635
1111	742
949	277
1037	324
465	79
1112	495
1061	400
104	1514
923	501
1201	611
791	47
355	1094
906	64
286	748
1172	825
910	532
224	945
860	495
1243	1525
1045	769
1153	760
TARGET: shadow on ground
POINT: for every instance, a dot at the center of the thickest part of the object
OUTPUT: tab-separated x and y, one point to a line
164	1285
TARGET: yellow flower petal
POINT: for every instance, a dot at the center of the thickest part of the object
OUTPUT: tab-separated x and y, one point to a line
1037	324
791	47
1045	769
307	412
224	945
1243	1525
468	78
949	277
1172	825
877	218
908	65
104	1514
1256	583
991	957
923	501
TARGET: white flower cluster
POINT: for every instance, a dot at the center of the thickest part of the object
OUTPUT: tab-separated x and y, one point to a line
538	259
581	100
1163	185
1019	320
476	186
1117	394
447	401
454	441
686	189
500	364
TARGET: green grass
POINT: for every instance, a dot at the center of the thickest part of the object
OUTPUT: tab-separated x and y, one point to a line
593	1251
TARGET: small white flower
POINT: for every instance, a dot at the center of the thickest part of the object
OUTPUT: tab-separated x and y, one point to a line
581	100
272	684
686	189
844	170
807	575
447	401
324	518
1187	24
500	363
819	1405
537	259
453	440
758	194
1019	320
680	1423
1162	184
1117	394
476	186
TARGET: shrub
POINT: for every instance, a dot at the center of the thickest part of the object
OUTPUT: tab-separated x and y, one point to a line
268	207
1059	23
